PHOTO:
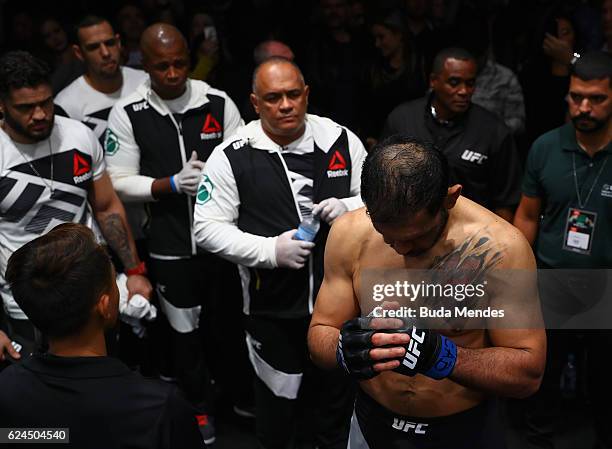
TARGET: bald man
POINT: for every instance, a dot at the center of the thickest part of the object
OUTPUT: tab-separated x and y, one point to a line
157	141
257	187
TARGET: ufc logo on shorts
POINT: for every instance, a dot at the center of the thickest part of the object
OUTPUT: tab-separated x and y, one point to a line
407	426
412	352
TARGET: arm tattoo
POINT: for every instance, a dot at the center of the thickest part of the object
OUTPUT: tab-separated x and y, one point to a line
116	235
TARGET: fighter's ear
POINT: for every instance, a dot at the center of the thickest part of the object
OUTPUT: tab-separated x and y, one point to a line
452	196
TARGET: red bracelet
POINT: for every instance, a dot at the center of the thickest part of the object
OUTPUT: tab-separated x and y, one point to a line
141	269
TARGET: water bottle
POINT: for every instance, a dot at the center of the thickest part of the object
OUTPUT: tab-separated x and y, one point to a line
568	377
308	229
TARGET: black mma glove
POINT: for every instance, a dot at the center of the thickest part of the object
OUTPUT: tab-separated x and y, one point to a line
353	350
428	353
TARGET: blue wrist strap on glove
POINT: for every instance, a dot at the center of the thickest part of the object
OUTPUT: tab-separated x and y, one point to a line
428	353
443	366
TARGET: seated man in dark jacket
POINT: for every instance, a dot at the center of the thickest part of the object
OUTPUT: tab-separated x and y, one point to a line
65	283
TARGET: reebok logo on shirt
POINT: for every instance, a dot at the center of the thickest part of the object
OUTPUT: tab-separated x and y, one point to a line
81	169
211	129
473	156
337	166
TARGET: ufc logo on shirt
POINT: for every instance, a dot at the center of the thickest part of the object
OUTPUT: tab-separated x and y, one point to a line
412	353
472	156
407	426
140	106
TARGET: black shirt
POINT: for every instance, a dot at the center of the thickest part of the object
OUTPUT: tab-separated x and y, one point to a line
480	150
101	402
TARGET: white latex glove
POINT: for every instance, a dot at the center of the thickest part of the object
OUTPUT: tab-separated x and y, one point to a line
292	253
329	209
187	180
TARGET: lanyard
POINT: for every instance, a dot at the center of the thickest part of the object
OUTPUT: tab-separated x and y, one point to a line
34	168
586	200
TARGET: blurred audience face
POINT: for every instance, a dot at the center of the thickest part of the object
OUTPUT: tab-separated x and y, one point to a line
454	86
22	29
269	49
335	13
438	10
606	16
388	41
100	49
54	36
590	104
416	9
131	22
168	67
357	13
28	112
565	32
276	48
280	99
199	24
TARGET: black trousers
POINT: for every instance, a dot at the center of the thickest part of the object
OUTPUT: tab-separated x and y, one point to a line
565	294
289	388
182	288
201	299
542	411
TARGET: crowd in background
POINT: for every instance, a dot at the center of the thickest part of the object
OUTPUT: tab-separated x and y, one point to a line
360	58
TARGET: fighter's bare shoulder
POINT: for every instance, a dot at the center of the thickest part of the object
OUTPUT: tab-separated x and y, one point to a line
348	234
515	251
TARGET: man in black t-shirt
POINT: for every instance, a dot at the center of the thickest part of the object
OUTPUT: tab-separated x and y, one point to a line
65	283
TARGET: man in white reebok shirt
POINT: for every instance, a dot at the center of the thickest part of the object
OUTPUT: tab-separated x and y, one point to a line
91	96
50	167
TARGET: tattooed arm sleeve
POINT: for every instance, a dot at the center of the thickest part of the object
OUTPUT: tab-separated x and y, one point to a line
110	215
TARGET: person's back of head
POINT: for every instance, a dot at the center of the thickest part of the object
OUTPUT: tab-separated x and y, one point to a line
271	48
59	279
403	175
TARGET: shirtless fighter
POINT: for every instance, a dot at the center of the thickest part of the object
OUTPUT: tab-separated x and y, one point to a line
415	221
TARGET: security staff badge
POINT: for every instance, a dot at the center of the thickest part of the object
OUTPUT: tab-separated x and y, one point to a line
579	230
